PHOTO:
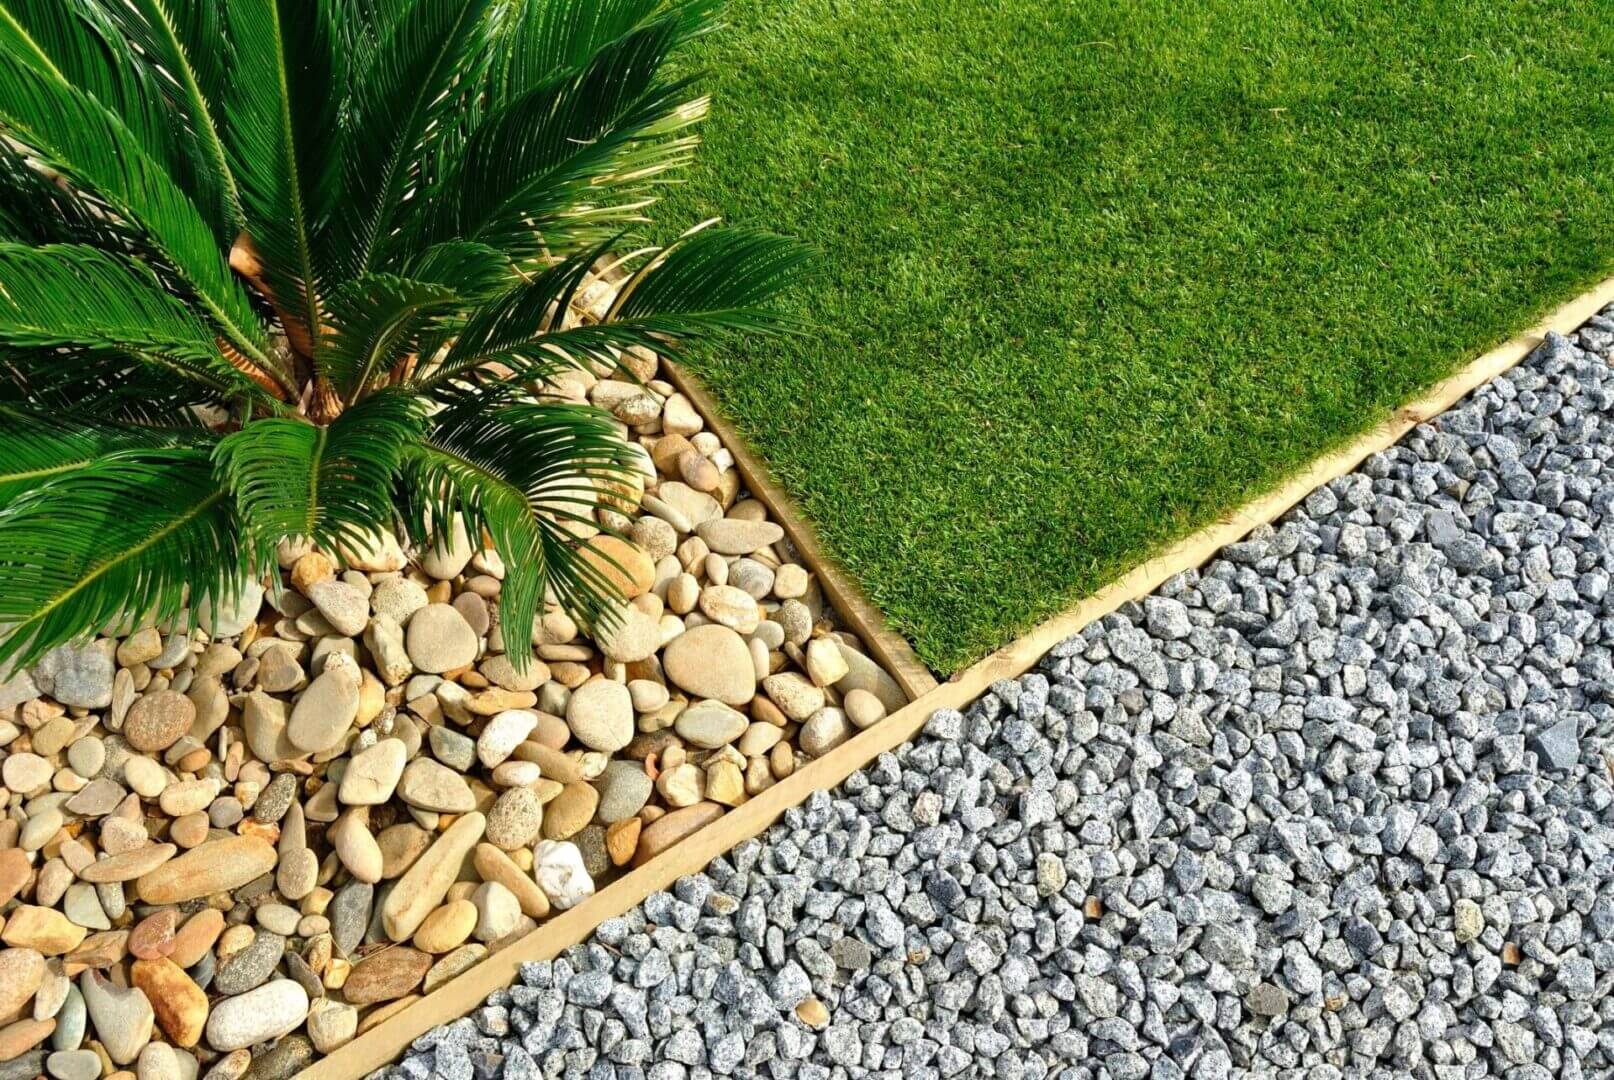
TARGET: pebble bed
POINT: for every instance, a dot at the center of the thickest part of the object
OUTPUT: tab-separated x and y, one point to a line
234	846
1338	804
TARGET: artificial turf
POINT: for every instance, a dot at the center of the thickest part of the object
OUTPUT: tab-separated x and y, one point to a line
1095	272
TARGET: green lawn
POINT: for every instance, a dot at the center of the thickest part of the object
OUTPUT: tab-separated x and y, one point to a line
1095	272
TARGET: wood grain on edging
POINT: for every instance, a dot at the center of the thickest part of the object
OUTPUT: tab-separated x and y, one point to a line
388	1039
887	646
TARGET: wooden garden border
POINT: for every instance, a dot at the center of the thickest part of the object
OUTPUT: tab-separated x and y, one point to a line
390	1038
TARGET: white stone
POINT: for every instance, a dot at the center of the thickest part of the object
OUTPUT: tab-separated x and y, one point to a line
503	734
558	868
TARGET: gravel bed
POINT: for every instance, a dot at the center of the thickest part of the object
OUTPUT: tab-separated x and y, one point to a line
1336	805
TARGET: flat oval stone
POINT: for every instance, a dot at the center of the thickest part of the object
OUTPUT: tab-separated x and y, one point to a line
74	1065
732	607
624	788
156	721
567	813
197	936
386	975
447	928
429	785
372	775
249	968
153	937
711	661
710	724
350	915
600	715
730	536
266	1013
515	819
324	712
668	829
503	734
439	639
212	867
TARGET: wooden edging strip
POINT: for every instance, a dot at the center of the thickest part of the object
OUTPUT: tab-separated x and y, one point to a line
888	647
389	1039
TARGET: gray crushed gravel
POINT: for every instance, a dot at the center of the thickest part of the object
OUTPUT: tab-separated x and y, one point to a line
1337	805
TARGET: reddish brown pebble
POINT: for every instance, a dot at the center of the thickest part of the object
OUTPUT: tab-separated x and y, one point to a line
156	721
666	831
197	936
386	975
153	937
14	871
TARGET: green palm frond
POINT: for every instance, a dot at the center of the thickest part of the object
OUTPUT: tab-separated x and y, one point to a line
128	534
332	485
568	163
36	210
182	37
709	282
36	448
520	471
376	320
544	41
74	297
75	135
472	270
104	387
75	42
511	330
283	110
399	93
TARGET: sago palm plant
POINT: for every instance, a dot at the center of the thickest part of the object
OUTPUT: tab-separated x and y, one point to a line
281	269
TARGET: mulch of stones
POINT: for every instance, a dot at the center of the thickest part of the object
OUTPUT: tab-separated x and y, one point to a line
1338	804
232	847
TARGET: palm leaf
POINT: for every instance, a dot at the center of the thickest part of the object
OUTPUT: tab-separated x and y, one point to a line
397	95
375	320
283	110
36	449
129	533
543	41
517	471
471	270
185	39
568	163
75	42
332	485
36	210
709	282
73	134
511	329
75	297
104	387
